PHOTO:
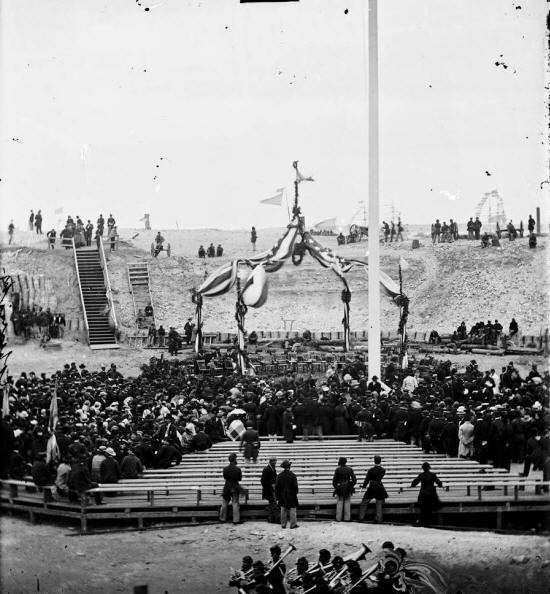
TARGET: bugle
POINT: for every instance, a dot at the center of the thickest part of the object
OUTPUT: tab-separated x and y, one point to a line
289	550
365	576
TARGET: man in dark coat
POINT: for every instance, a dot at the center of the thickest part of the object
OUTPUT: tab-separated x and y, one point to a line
166	455
343	482
269	478
200	441
286	489
42	474
428	500
80	481
374	490
232	489
250	440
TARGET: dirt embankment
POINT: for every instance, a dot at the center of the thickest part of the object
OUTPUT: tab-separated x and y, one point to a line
447	283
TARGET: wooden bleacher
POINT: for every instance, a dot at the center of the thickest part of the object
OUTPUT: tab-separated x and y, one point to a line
192	489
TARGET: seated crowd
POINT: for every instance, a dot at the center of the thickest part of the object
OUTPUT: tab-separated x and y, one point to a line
112	426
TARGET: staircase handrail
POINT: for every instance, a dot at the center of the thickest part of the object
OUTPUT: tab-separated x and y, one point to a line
80	289
150	294
103	261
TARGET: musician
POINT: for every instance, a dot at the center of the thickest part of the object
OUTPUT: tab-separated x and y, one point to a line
286	489
303	579
232	489
241	576
269	477
375	490
276	574
344	481
260	584
355	576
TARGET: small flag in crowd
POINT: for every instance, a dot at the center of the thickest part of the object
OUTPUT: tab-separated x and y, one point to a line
405	362
403	263
236	430
54	415
6	401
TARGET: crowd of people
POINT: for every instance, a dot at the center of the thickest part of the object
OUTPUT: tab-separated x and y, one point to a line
482	333
83	234
166	412
391	571
447	233
211	251
392	231
35	322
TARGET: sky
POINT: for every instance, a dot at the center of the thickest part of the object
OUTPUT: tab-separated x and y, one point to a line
193	111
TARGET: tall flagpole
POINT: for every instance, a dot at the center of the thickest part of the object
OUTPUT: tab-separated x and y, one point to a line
374	207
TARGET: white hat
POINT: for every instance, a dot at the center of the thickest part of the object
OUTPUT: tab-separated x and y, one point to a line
110	451
347	377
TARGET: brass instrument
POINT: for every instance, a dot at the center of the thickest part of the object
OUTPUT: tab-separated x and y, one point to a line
365	576
289	550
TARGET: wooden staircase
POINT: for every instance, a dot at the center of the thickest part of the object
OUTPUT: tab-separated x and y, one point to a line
138	278
93	291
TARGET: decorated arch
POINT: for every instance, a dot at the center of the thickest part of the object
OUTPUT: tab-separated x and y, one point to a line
252	291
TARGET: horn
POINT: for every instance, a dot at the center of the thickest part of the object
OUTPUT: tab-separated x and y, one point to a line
366	574
358	555
289	550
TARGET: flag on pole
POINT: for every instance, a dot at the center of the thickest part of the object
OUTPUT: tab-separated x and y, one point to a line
277	199
403	263
6	401
280	189
405	361
54	415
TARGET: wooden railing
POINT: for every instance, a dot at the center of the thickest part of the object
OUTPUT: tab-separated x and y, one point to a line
103	262
80	289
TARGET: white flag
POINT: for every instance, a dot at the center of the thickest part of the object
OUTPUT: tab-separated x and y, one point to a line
280	189
405	362
403	263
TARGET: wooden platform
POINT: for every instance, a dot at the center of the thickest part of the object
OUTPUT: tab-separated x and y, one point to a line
192	490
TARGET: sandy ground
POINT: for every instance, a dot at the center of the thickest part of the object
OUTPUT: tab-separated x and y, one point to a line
197	559
31	357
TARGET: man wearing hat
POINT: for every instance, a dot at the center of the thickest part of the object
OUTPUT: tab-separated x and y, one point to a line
231	490
343	482
269	478
375	490
276	576
286	489
250	440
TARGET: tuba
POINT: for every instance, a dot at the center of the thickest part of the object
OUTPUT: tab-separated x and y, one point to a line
365	576
289	550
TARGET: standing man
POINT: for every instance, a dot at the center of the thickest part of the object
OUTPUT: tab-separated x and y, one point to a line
110	222
231	490
286	489
38	222
173	340
100	225
11	229
31	221
477	227
269	478
530	224
470	227
253	238
250	440
51	238
188	330
375	490
343	481
161	333
88	232
399	230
